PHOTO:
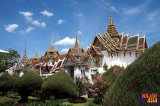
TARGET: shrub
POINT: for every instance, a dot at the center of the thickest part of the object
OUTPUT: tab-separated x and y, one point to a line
29	82
7	82
111	74
77	100
143	75
59	85
7	102
98	89
82	86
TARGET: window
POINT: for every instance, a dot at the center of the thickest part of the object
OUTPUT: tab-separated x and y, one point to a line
82	73
69	60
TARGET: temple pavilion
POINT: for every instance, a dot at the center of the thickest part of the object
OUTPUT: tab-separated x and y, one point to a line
77	61
112	48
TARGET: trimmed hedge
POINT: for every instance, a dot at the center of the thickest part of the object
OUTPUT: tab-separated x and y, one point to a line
111	74
59	85
29	82
8	82
143	75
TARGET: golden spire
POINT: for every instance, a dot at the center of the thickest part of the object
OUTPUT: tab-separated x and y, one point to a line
76	42
110	19
111	29
52	46
36	55
25	51
24	58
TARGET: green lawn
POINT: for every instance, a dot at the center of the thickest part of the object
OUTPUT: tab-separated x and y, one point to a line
88	103
15	98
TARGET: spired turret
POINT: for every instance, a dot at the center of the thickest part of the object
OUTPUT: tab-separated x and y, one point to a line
52	53
35	59
111	30
76	42
24	58
52	46
36	55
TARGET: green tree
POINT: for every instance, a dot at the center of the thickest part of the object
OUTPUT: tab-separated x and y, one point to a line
8	60
112	73
141	76
8	82
59	85
28	83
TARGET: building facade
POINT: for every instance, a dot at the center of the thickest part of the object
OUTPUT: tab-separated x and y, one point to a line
106	50
112	48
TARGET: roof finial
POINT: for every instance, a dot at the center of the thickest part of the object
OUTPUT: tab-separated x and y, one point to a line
25	51
36	55
110	15
52	46
76	43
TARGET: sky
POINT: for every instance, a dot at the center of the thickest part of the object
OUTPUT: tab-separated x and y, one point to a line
38	22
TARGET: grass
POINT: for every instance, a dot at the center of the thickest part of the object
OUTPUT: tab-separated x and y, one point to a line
15	98
88	103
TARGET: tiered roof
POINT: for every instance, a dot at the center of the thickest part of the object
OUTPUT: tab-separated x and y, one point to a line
113	42
76	55
111	29
35	59
50	54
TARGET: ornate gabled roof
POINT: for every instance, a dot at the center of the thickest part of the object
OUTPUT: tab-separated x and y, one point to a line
113	42
35	59
52	53
96	49
106	41
76	55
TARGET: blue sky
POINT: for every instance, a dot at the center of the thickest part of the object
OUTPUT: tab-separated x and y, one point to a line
40	21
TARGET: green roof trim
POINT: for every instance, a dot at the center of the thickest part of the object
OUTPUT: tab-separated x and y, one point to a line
141	40
132	40
124	39
85	59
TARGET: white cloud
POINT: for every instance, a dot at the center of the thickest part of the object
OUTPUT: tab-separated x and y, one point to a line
3	51
47	13
11	27
39	24
151	15
64	50
114	9
110	6
26	13
66	41
132	11
29	29
28	16
80	15
79	32
60	21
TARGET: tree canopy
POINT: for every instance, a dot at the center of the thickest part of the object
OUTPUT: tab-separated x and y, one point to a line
8	60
